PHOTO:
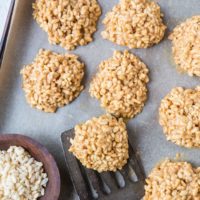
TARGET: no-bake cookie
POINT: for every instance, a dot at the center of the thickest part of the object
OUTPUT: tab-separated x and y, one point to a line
101	143
173	180
120	84
70	23
134	23
179	115
52	80
186	46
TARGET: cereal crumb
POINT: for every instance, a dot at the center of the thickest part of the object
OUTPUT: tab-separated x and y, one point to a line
134	23
70	23
52	80
120	84
172	180
178	156
101	143
186	46
180	116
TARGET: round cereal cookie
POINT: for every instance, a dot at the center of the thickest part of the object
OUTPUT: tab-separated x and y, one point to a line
70	23
52	80
120	84
101	143
173	180
134	23
186	46
180	116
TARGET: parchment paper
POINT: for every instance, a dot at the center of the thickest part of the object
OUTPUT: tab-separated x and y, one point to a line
16	116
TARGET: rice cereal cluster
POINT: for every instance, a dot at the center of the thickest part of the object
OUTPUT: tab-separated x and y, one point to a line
134	23
120	84
172	180
69	23
180	116
21	176
52	80
101	143
186	46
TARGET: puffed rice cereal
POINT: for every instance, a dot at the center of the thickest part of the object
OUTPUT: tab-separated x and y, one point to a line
21	176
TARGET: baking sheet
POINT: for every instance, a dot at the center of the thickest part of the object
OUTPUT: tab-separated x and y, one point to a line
16	116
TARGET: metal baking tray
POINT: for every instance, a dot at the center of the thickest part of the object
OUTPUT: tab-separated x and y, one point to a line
26	38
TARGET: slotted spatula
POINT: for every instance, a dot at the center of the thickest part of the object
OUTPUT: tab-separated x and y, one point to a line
126	184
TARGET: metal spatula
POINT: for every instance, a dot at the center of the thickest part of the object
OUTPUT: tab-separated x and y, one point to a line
126	184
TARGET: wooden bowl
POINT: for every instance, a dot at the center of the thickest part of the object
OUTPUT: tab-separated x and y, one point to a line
40	153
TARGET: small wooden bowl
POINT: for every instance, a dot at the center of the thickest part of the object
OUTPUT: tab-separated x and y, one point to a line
40	153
